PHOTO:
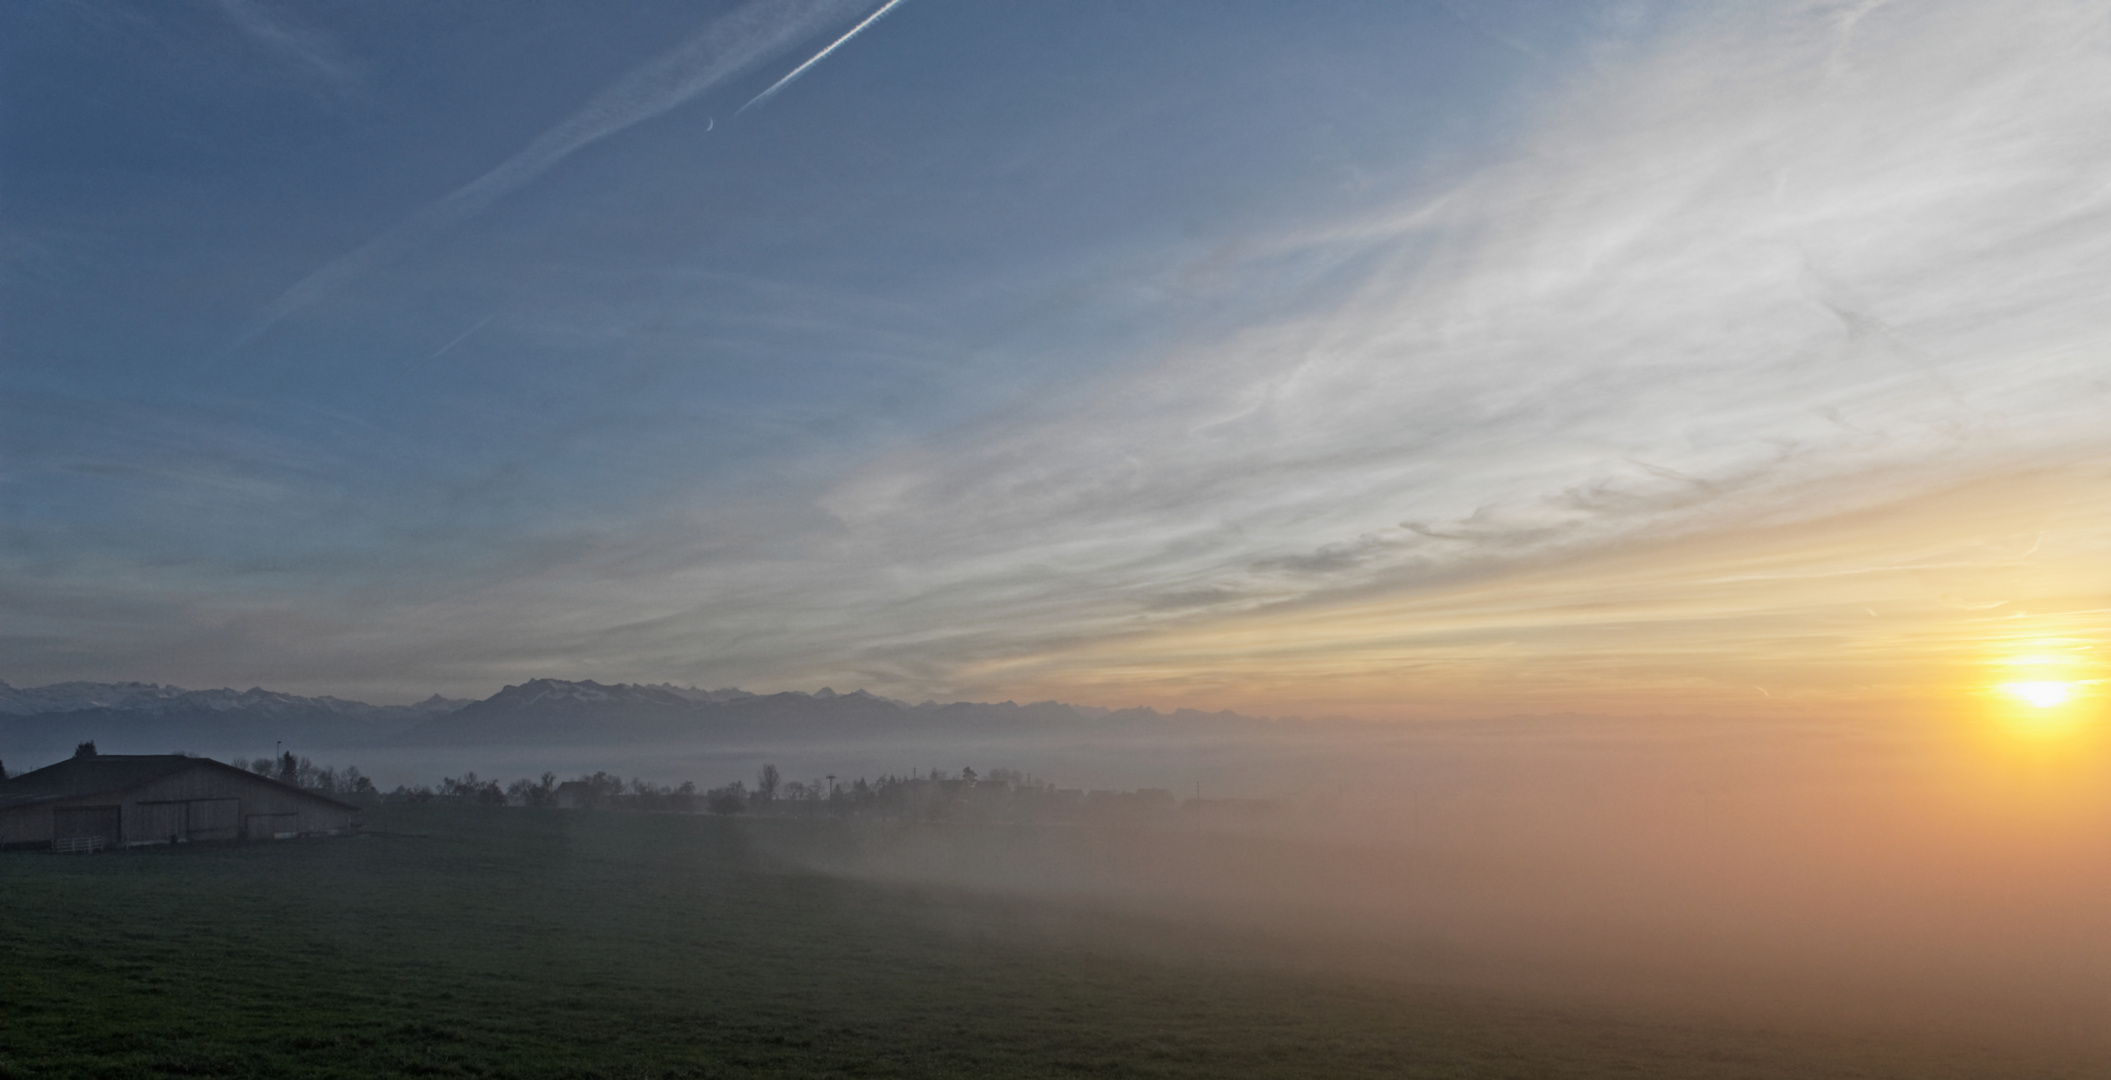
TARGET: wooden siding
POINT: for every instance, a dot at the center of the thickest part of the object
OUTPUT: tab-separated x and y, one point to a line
25	826
86	828
208	802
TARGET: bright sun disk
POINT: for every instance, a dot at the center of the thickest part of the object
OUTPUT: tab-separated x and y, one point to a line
2043	695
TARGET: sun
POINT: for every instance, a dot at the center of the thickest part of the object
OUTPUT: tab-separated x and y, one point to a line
2041	695
2046	684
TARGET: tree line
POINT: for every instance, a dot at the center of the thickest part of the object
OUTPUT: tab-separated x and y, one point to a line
998	795
301	772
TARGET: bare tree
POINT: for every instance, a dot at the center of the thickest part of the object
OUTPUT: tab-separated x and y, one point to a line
766	783
731	799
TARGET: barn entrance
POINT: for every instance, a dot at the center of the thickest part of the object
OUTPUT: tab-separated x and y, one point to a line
180	820
214	819
157	822
77	829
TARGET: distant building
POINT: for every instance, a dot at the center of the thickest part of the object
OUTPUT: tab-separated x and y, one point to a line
96	801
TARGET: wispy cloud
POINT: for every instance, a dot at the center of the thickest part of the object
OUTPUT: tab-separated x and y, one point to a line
1756	276
819	56
304	47
1774	356
730	45
1755	335
1466	18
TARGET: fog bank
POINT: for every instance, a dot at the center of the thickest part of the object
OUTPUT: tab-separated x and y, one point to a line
1885	878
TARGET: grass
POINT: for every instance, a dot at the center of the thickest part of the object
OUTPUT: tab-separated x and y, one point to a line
493	942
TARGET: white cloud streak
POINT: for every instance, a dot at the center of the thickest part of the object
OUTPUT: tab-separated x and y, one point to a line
461	337
1838	250
302	46
1788	267
729	46
818	57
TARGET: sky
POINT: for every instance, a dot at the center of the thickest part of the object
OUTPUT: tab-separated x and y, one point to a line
1383	359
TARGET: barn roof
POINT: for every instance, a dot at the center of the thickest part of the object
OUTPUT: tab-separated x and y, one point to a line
97	773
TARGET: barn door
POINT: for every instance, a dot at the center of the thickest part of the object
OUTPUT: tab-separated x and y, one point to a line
215	819
157	822
84	828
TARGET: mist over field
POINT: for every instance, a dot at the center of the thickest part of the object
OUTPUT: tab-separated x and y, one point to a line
1825	876
1723	875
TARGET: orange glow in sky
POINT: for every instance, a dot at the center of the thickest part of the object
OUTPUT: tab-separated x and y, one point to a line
1941	604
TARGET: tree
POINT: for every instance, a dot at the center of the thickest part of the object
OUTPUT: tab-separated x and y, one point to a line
541	792
289	768
765	782
731	799
356	783
469	788
85	750
526	792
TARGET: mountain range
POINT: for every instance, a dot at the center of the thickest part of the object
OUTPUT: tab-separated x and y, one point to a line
47	719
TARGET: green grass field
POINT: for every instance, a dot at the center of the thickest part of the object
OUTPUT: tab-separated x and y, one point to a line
493	942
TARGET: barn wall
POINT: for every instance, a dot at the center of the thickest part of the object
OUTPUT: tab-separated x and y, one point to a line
25	825
260	810
202	803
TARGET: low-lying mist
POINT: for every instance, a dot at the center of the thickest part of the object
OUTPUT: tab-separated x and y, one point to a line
1872	879
1941	877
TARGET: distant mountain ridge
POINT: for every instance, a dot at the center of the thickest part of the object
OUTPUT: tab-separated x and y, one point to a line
69	697
157	718
563	711
537	712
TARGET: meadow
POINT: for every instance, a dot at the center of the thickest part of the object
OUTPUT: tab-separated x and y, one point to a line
469	941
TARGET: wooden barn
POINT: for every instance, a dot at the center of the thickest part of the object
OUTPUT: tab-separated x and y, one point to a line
92	802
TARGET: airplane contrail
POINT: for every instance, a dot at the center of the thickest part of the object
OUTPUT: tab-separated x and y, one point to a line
833	46
465	337
729	46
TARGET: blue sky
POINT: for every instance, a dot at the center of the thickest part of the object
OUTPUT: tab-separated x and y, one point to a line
1015	348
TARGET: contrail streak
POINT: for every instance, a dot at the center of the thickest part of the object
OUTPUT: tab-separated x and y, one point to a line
833	46
729	46
465	337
